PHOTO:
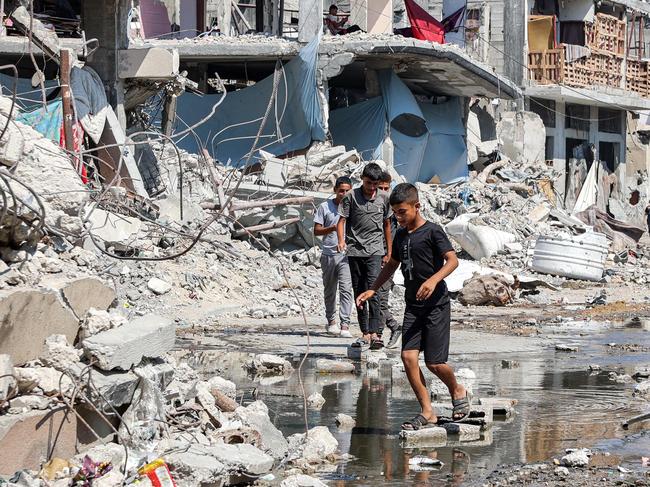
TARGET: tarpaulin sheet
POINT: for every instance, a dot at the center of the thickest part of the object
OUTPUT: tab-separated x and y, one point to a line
231	132
428	139
541	33
48	123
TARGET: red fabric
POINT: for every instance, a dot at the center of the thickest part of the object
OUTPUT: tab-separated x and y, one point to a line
77	141
423	26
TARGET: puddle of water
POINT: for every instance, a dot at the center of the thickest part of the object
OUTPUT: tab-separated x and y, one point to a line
561	405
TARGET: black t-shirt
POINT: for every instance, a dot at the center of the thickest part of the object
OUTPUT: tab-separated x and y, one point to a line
421	254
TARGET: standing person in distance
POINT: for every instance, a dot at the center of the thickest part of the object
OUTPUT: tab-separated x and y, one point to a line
427	258
334	264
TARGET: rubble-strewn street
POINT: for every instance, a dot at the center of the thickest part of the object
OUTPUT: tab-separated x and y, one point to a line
162	262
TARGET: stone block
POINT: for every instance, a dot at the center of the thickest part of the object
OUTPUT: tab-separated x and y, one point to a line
364	355
113	230
85	293
239	458
326	366
256	417
148	63
196	469
430	437
120	348
28	317
464	432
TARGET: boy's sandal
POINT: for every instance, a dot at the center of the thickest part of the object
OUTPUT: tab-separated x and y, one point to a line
461	407
376	344
359	343
416	423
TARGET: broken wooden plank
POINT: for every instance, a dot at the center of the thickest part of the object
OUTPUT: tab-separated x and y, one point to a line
244	205
266	226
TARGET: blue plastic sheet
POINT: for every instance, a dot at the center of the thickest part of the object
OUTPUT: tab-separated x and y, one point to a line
48	123
294	121
428	140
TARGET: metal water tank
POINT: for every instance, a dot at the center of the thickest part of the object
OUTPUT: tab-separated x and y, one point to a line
578	257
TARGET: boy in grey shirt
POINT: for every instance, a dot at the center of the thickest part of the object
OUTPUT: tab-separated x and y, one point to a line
334	264
364	234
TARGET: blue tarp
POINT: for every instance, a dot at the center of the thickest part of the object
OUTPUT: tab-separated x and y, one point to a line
48	123
230	134
428	139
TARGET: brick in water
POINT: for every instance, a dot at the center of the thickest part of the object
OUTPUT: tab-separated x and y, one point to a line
120	348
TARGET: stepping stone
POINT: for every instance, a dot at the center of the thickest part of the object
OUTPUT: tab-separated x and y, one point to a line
464	431
356	353
500	406
430	437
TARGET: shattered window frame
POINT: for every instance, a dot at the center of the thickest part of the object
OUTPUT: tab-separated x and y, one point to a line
577	117
545	109
610	121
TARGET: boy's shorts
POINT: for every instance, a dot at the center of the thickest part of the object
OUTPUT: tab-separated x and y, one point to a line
427	330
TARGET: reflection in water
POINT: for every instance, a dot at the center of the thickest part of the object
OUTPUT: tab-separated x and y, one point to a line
561	405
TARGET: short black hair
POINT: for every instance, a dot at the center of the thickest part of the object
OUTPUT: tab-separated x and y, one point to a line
386	177
333	7
372	171
342	180
404	193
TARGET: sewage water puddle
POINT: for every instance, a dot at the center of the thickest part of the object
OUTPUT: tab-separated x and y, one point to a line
561	404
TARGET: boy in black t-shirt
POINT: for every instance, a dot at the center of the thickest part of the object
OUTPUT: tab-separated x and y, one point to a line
427	258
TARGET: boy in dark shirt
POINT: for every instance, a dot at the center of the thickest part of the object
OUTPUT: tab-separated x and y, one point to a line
363	232
427	257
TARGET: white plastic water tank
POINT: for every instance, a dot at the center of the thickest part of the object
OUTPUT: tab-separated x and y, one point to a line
577	257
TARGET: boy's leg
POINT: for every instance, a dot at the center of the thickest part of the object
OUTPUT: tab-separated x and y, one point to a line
356	274
346	296
411	344
373	268
435	340
328	266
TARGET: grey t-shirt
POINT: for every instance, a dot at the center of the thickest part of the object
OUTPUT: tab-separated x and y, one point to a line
365	222
327	215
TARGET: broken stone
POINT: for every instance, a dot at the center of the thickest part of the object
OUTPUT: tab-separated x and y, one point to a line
97	321
47	379
7	381
465	432
196	469
111	479
224	386
256	416
58	353
315	401
343	421
562	472
565	347
265	363
326	366
88	292
576	458
158	286
302	480
642	389
434	435
28	317
121	348
118	231
28	402
375	358
486	290
318	444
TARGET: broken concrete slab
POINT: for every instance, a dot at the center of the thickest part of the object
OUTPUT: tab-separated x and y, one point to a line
302	480
265	363
28	317
433	436
28	402
196	469
158	286
97	321
85	293
112	230
464	432
326	366
364	355
500	406
256	416
7	381
238	458
59	354
224	386
148	63
318	444
46	379
315	401
120	348
345	422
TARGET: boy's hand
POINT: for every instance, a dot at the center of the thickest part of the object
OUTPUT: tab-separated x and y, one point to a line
364	296
341	247
426	290
384	260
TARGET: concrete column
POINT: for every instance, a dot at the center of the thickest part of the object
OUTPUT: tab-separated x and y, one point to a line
310	19
106	20
559	149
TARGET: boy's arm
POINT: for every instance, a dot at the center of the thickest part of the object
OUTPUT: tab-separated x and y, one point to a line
428	286
321	230
386	272
389	242
340	234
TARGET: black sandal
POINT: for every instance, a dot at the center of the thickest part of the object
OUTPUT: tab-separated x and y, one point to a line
416	423
461	406
360	343
376	344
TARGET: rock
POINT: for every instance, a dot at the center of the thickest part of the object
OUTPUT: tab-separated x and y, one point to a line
28	317
224	386
326	366
27	402
120	348
439	389
465	373
118	231
111	479
465	432
97	321
565	347
158	286
594	367
108	453
58	354
562	472
429	436
88	292
486	290
268	364
576	458
43	378
642	389
374	359
256	416
318	444
345	422
7	382
315	401
302	480
641	372
196	469
238	458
